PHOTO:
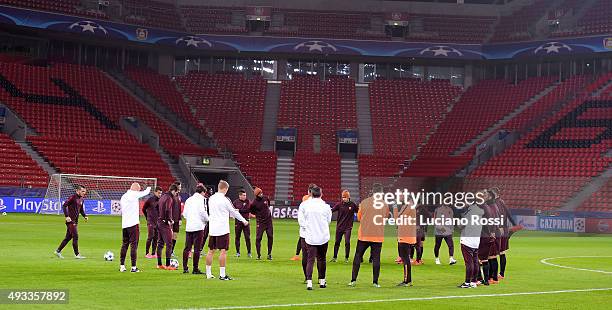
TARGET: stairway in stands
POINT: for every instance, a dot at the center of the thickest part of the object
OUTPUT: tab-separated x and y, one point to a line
284	179
349	178
268	133
364	119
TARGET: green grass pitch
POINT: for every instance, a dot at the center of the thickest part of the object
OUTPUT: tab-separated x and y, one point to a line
28	242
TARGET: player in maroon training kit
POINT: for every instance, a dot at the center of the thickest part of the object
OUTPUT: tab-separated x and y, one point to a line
150	212
164	226
344	224
487	250
260	207
72	208
243	205
176	215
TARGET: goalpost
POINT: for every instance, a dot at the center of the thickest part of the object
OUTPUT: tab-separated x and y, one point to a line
103	192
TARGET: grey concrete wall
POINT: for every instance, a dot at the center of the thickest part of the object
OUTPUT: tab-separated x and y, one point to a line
364	5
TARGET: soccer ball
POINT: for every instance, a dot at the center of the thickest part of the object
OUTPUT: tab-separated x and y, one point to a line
174	263
109	256
3	213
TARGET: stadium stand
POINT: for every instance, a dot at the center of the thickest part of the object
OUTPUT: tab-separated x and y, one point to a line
550	164
379	165
322	169
17	168
472	114
98	104
454	28
596	20
327	24
71	7
563	91
152	14
117	104
517	26
231	105
600	201
317	107
205	19
404	112
260	169
165	91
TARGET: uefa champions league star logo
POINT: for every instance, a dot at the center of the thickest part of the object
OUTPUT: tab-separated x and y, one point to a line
319	46
579	224
441	50
553	47
191	41
115	207
88	26
2	206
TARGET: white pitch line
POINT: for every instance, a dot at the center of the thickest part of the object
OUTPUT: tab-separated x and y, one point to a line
545	262
330	303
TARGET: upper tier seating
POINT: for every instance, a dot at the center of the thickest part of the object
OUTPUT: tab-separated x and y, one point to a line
324	24
71	7
453	28
152	14
596	20
517	26
205	19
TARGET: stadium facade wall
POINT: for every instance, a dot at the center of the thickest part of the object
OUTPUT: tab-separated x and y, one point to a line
98	29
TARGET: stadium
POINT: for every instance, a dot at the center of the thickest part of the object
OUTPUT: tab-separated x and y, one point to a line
236	154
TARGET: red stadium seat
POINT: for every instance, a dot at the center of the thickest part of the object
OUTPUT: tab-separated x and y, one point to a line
17	169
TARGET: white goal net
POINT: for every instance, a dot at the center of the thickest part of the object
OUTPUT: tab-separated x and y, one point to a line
103	192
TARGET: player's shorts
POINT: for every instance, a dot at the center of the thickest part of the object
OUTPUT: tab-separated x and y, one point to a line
494	250
484	249
420	236
219	242
176	227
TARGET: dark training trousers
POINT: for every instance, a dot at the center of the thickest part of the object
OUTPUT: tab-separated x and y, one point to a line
193	239
205	238
269	233
151	239
472	268
449	243
362	246
130	238
165	238
404	250
302	242
320	253
239	229
72	233
298	248
347	242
